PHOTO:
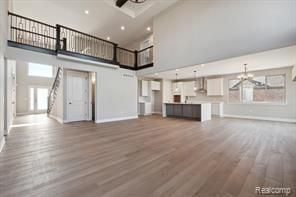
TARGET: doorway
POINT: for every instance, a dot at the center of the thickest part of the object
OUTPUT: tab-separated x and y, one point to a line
38	99
77	96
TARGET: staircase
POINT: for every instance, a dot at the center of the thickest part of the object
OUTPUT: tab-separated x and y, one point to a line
54	90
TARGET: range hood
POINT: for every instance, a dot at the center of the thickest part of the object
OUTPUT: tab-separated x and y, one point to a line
202	86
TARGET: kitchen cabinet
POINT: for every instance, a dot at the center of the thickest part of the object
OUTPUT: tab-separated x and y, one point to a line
144	88
215	87
155	85
200	112
188	88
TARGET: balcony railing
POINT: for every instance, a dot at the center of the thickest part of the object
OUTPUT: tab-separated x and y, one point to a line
37	36
32	33
126	58
145	57
77	43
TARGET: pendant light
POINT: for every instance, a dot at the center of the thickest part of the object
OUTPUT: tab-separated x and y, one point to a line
177	89
195	81
245	76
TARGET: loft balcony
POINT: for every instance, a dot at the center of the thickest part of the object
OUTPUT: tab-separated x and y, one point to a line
30	34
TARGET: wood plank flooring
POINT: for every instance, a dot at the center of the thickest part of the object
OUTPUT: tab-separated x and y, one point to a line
148	157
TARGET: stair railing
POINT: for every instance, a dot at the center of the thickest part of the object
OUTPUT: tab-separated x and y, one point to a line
54	90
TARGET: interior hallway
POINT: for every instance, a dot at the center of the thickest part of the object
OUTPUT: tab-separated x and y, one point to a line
150	156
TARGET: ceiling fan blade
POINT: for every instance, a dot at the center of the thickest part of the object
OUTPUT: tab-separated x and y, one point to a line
120	3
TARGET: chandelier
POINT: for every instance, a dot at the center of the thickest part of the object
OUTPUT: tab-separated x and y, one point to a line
137	1
245	76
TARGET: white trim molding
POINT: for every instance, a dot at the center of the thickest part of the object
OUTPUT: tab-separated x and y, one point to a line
2	142
261	118
66	57
60	120
116	119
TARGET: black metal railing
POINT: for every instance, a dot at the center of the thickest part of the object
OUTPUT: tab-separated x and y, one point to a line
80	43
145	57
38	36
126	57
31	32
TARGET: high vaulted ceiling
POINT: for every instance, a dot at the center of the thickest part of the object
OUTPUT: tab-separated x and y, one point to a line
104	18
272	59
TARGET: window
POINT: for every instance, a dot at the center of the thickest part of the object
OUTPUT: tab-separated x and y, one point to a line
40	70
262	89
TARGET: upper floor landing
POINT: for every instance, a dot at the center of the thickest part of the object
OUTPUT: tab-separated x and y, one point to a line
30	34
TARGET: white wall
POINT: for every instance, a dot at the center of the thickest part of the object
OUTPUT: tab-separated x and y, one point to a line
116	88
23	82
3	46
195	32
116	94
10	92
286	111
137	44
167	91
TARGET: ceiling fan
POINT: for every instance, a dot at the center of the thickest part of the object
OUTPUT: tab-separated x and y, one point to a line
120	3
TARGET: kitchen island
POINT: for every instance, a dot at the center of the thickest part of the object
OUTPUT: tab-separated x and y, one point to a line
196	111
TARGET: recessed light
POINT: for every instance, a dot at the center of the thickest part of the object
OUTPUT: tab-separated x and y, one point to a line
108	38
86	12
202	65
148	28
122	27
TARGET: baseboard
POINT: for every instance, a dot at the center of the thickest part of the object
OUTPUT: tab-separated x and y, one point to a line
8	131
2	142
261	118
23	114
116	119
56	118
157	112
29	113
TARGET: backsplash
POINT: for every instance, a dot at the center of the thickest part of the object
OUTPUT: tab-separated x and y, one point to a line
204	97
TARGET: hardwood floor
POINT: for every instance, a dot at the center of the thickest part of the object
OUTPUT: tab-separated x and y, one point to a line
148	157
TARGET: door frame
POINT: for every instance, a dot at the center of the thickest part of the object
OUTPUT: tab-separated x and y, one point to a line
88	99
35	111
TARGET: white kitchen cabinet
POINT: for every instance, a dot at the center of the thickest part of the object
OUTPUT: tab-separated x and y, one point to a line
155	85
177	88
217	109
188	88
144	88
215	87
294	73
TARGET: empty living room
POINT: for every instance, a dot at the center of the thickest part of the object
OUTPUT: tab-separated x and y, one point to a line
147	98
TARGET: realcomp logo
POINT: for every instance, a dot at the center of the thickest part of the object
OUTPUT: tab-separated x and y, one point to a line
273	190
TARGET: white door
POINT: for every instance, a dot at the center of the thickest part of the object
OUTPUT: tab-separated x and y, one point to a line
77	96
38	99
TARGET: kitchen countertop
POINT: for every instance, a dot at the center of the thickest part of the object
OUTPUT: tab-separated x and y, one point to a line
195	103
